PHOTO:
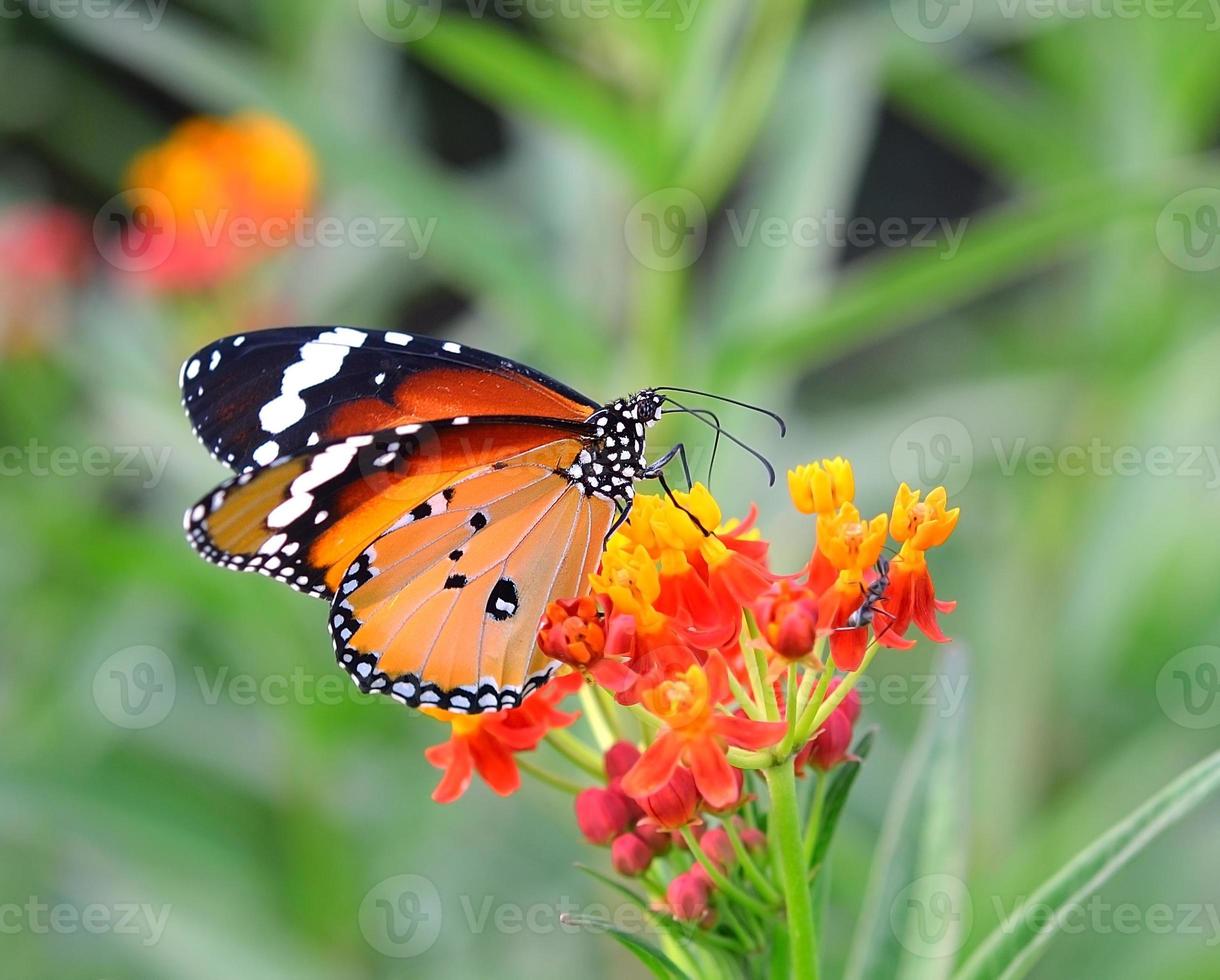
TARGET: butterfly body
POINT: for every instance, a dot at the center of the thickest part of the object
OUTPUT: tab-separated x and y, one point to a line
437	496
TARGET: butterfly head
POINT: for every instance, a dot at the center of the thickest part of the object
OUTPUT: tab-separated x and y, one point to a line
644	406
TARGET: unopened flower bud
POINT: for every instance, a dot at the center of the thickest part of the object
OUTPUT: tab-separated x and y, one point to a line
630	855
601	814
687	896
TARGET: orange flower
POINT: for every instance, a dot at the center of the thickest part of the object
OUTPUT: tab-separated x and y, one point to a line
701	579
575	632
485	743
851	546
911	596
216	195
695	733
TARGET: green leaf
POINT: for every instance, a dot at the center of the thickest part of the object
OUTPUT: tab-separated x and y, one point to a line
512	71
658	964
913	283
1011	950
836	796
919	855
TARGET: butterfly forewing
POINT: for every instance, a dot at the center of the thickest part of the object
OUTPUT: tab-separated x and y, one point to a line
257	397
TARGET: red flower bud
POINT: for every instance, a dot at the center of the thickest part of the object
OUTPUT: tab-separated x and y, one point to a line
788	617
675	803
620	757
718	848
658	841
630	855
687	897
601	814
754	839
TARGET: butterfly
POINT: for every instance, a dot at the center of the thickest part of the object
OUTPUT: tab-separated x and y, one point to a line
437	496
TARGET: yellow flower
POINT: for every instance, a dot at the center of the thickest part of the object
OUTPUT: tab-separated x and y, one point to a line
851	544
821	488
629	577
920	525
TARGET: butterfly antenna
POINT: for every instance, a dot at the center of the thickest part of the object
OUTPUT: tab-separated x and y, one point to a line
783	427
728	435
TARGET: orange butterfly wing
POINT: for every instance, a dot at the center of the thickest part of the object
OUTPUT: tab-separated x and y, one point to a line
444	611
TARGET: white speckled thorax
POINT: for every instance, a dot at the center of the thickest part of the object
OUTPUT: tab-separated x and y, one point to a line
613	459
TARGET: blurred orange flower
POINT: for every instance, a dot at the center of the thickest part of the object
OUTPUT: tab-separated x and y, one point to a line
216	196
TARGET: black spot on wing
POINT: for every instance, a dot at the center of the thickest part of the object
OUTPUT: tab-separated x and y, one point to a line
503	602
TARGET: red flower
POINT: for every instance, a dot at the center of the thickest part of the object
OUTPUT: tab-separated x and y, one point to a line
695	732
630	855
788	617
485	743
575	632
688	895
673	804
716	845
602	814
911	597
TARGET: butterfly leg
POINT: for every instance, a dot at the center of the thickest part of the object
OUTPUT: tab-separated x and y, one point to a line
679	450
657	472
623	510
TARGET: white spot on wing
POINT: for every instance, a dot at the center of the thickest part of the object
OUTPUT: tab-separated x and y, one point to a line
320	360
266	453
402	339
452	348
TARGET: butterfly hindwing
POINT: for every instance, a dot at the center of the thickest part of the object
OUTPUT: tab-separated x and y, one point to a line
305	518
444	611
257	397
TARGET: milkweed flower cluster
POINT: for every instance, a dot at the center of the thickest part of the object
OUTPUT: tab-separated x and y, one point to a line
216	196
711	684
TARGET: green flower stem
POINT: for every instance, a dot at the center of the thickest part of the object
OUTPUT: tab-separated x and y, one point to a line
609	711
796	708
728	888
746	937
544	775
576	752
743	699
748	865
814	827
596	717
649	725
789	850
749	759
764	693
807	725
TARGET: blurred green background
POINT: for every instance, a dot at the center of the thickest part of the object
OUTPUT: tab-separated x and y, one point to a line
620	193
